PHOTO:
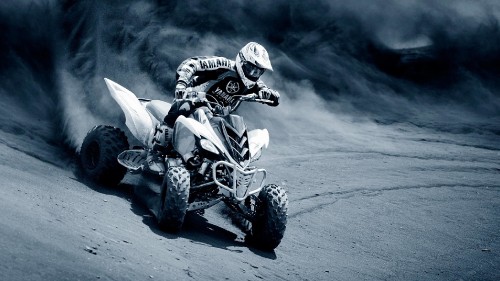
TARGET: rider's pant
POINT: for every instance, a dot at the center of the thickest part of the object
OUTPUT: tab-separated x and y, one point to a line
179	107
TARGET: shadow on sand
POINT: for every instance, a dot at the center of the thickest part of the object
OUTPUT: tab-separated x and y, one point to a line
199	230
196	227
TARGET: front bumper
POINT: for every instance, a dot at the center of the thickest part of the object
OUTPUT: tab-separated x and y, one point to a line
245	182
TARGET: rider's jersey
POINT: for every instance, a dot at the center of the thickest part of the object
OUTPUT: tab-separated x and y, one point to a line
217	77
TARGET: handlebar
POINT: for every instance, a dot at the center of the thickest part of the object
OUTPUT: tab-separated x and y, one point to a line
200	97
254	98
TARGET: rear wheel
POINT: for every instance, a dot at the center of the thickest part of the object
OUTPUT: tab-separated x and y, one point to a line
174	199
268	227
99	152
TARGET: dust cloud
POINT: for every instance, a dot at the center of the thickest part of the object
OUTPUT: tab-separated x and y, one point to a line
330	62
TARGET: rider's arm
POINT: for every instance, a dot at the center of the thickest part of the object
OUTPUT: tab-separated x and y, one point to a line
267	93
260	86
201	66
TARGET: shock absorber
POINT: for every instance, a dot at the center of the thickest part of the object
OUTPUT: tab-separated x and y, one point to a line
206	165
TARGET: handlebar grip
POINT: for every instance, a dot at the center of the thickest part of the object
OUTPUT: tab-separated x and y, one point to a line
263	101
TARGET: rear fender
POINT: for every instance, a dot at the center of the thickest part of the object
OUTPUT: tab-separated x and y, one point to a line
137	118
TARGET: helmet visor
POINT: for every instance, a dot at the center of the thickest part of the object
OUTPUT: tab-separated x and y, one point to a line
252	71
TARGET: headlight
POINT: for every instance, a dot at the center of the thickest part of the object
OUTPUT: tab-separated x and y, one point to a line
208	146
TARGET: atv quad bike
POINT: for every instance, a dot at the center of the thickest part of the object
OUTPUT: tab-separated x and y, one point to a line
225	151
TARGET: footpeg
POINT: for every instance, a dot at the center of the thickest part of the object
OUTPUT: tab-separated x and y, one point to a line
132	159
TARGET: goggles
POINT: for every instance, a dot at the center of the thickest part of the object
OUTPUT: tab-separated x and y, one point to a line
252	71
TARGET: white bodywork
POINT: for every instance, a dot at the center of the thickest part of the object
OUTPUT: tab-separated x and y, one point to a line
257	139
202	128
137	118
141	123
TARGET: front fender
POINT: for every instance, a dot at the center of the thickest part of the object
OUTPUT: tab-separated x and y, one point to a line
184	138
258	139
186	130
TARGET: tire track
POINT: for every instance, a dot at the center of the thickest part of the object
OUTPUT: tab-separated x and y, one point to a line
478	146
34	155
338	195
387	154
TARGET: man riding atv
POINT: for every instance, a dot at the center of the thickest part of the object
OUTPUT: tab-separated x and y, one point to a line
223	80
207	157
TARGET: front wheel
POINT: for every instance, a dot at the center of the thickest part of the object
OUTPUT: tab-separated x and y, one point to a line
269	225
99	152
174	199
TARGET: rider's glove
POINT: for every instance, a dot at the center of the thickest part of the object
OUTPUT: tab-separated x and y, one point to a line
269	94
217	109
180	91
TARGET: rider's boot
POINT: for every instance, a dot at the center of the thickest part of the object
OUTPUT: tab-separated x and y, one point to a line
161	140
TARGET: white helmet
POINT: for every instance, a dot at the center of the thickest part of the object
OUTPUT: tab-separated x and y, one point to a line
251	62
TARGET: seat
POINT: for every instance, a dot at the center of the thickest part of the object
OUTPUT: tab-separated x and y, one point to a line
158	109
